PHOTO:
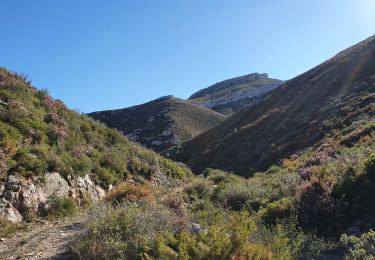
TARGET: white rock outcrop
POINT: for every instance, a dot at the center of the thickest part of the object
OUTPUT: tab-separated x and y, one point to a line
19	197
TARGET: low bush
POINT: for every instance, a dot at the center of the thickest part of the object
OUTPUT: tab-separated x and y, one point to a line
200	189
236	235
152	231
128	232
358	248
233	196
28	164
370	166
74	165
105	177
127	192
58	207
277	210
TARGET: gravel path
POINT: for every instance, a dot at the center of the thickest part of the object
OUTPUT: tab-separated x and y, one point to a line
43	241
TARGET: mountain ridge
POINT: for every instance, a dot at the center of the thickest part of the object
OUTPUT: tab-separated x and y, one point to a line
161	123
229	96
294	115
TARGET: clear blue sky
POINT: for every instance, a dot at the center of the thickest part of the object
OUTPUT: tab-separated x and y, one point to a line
96	54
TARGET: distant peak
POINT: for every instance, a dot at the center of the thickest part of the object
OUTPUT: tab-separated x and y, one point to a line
245	79
163	98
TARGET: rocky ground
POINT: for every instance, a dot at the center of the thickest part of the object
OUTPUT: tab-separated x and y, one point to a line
49	240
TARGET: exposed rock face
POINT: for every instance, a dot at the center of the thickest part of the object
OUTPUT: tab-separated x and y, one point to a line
55	184
19	197
85	187
231	95
7	211
237	96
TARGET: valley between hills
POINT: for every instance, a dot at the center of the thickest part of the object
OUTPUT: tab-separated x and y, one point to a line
248	168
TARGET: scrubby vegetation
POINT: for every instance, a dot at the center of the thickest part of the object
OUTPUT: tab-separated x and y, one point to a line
7	228
58	207
300	208
362	247
287	212
153	231
39	134
161	123
129	192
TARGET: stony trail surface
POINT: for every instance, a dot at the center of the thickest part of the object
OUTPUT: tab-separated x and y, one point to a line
48	240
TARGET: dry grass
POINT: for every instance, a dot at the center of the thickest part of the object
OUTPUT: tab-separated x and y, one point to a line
130	192
7	228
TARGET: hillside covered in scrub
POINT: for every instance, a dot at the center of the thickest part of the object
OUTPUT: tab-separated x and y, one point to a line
162	123
40	136
317	204
71	187
293	117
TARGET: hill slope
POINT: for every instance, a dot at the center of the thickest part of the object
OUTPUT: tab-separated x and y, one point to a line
231	95
292	117
47	149
162	123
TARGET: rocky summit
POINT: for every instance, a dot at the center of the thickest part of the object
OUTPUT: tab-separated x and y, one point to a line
292	117
231	95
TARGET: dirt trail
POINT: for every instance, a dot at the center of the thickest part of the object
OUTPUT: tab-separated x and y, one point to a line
43	241
50	240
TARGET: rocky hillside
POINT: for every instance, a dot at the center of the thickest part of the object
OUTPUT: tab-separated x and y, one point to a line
161	123
49	152
293	117
316	203
231	95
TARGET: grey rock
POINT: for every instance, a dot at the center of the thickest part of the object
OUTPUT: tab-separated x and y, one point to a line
195	228
18	196
8	212
55	184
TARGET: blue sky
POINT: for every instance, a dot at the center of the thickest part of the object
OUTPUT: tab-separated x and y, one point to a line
97	55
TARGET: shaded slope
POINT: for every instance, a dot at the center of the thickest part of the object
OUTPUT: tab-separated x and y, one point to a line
292	117
231	95
162	123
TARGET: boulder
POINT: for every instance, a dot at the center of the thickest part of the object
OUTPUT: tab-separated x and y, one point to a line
8	212
55	184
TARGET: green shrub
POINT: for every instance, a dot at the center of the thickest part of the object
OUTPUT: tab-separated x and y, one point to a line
200	189
72	165
105	177
218	176
289	241
359	248
236	235
370	166
9	133
137	166
31	126
58	207
277	210
233	196
28	164
116	162
175	170
125	233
